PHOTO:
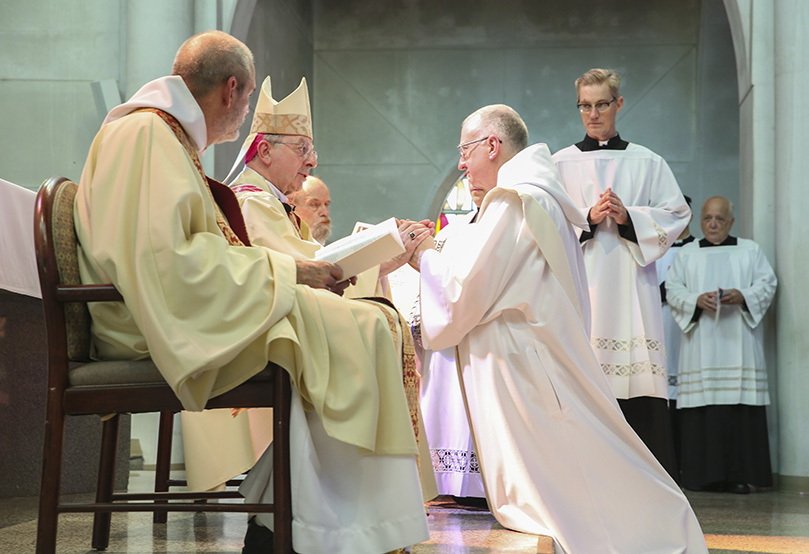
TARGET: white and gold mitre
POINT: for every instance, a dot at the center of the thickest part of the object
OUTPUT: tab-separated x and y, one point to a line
290	116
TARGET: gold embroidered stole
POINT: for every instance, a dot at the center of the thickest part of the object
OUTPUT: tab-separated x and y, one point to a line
410	377
222	204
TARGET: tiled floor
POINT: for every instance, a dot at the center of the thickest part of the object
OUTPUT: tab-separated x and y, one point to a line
771	522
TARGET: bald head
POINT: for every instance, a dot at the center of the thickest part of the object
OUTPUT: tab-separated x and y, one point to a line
312	205
490	137
314	185
219	72
502	121
717	219
209	59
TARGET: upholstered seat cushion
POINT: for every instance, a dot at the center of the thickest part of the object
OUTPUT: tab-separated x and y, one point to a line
118	372
128	372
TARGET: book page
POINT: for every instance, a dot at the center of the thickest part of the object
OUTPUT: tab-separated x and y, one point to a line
361	251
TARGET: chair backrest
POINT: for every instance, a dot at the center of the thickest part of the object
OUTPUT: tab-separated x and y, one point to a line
67	322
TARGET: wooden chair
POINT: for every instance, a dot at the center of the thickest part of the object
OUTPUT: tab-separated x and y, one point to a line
78	386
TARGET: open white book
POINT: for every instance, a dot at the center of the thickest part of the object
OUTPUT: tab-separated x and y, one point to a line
368	246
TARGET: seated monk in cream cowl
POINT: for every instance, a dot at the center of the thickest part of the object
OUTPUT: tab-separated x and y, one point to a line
211	310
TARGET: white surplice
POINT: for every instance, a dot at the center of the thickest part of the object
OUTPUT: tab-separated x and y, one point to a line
627	325
451	448
671	331
556	454
721	358
211	314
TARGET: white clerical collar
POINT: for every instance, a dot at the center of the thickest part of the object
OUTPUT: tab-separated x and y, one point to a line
273	189
171	95
603	142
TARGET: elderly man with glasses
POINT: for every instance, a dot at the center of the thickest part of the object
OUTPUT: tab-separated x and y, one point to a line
278	156
636	211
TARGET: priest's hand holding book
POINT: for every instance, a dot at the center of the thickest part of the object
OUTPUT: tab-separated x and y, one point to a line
322	275
389	245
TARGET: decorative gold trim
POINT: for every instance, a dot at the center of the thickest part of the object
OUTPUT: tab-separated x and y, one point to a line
282	124
662	237
635	368
635	343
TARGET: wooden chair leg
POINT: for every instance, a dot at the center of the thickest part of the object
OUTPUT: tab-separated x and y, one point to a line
51	479
163	462
282	492
106	480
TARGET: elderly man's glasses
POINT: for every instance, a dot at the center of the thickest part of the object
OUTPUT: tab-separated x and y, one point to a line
465	148
303	148
601	107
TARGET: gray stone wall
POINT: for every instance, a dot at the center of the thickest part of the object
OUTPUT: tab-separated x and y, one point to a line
280	35
23	388
394	81
49	56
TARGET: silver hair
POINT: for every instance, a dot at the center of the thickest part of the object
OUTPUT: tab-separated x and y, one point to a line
209	59
502	121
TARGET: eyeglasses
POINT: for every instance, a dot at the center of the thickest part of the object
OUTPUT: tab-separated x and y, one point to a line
304	149
464	150
601	107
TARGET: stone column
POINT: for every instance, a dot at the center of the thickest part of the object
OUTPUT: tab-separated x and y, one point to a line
791	42
752	29
207	17
154	31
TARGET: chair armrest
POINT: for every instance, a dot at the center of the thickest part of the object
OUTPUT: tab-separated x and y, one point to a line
88	293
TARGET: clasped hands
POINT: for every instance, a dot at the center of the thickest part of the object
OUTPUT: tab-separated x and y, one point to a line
609	205
707	300
416	237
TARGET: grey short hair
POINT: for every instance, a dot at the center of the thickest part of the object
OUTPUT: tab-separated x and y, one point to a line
209	59
598	76
502	121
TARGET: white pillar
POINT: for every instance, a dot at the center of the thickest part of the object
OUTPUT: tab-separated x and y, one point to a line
791	42
207	15
154	31
752	28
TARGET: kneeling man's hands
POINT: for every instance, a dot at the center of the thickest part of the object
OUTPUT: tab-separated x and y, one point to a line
421	243
412	234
